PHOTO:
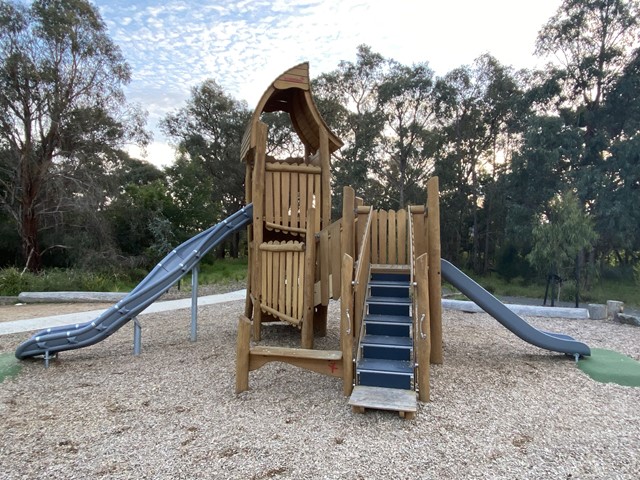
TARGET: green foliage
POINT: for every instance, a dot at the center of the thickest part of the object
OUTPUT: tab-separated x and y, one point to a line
222	271
13	282
63	116
561	236
510	263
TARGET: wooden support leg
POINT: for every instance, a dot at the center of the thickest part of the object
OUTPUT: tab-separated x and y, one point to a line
242	355
307	328
257	322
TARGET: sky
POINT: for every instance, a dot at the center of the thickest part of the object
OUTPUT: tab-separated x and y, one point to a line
244	45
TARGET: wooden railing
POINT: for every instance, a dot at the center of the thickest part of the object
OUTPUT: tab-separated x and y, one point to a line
282	280
361	276
389	237
329	259
290	190
421	316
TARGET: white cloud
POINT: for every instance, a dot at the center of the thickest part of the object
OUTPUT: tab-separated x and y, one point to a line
245	44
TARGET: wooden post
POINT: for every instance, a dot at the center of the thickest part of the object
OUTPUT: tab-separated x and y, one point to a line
258	231
248	305
422	328
435	275
325	164
348	217
346	323
242	355
309	279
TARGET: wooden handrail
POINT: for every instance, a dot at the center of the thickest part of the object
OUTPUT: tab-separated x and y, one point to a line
362	275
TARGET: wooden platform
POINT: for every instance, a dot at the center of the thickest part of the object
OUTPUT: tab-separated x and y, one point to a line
378	398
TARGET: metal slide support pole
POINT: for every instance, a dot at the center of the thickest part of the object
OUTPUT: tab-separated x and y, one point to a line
137	337
194	302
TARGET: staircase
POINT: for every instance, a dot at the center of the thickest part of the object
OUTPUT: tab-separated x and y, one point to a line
385	359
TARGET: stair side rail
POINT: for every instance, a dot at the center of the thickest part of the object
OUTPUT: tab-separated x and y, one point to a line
362	269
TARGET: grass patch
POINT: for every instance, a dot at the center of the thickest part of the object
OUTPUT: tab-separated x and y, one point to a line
606	289
9	366
13	281
220	272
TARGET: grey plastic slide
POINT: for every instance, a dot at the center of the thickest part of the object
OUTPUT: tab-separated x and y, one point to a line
171	269
555	342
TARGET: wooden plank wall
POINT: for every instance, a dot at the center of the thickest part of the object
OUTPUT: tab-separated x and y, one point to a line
389	237
329	259
290	190
282	279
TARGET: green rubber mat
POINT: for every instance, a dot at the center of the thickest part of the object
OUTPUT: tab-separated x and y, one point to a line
9	366
607	366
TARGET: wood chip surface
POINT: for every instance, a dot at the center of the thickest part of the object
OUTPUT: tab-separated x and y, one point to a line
500	409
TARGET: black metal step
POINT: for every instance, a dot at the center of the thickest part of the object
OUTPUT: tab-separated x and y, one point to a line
388	300
387	341
388	319
375	372
390	283
389	325
389	305
386	347
389	288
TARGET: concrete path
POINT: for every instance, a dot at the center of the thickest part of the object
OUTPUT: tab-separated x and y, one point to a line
41	323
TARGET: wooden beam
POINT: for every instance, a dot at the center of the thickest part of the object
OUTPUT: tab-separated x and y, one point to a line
346	323
242	355
348	219
325	163
291	167
282	247
422	331
258	230
309	280
435	275
325	362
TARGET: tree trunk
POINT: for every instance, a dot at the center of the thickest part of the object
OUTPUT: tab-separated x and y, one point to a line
30	245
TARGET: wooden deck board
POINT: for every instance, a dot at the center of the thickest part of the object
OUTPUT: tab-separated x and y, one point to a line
379	398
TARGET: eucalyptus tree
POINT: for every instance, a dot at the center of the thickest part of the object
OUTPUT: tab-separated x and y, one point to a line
407	104
593	45
63	115
348	98
207	179
475	106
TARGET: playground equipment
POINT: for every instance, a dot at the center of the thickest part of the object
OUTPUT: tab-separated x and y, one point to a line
171	269
383	266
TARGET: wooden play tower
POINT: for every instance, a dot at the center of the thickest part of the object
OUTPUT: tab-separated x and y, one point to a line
375	262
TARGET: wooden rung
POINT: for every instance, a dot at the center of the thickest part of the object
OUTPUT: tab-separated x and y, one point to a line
289	167
417	208
363	209
297	353
277	226
282	247
280	315
387	268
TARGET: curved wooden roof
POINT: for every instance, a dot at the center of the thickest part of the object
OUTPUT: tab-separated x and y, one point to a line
291	93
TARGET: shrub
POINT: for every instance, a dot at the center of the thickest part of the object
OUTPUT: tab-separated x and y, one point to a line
12	281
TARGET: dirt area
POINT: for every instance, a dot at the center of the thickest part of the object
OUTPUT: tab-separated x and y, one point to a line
23	311
500	409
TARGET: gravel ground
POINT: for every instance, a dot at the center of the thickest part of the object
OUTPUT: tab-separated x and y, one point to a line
500	409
